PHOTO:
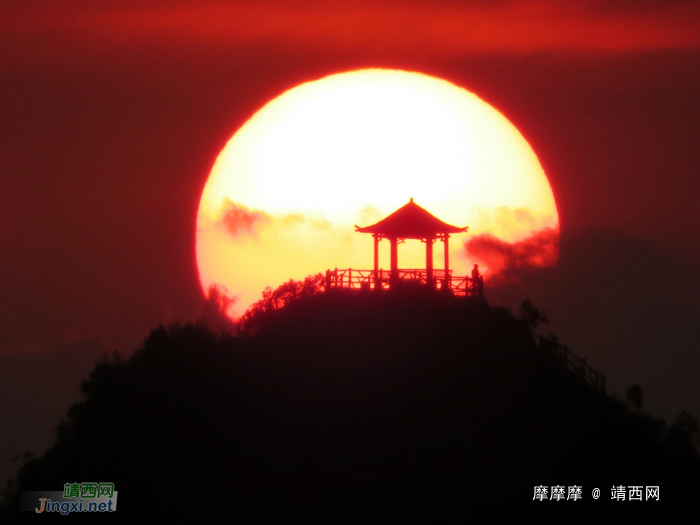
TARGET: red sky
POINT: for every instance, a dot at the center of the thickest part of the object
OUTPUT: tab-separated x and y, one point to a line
111	114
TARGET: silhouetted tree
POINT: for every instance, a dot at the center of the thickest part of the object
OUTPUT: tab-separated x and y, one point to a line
273	300
531	316
682	435
217	309
635	397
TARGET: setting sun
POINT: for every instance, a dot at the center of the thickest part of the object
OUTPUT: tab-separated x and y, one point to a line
285	193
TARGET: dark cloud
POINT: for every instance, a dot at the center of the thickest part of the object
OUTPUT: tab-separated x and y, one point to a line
505	260
626	307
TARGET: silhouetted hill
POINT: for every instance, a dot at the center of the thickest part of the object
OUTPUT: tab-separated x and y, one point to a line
356	407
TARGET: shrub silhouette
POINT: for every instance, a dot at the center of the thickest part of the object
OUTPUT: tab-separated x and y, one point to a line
272	300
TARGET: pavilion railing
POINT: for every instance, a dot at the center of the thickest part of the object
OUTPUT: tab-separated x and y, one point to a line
365	280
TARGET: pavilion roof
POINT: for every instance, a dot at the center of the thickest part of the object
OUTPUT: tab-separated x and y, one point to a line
410	222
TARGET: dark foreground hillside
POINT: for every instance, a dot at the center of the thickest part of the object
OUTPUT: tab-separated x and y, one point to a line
357	408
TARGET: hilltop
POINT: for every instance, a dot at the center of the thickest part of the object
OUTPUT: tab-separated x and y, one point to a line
350	406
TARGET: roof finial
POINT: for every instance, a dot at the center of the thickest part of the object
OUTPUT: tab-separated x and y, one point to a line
411	199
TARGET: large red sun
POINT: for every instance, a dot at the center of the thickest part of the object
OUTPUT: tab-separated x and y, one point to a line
283	196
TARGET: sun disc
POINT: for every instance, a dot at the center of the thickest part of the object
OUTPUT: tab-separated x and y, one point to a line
283	195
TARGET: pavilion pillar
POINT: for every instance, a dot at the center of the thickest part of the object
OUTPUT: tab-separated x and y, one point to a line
377	285
446	242
429	260
394	259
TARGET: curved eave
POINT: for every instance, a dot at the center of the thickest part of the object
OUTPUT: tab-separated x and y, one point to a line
411	222
410	233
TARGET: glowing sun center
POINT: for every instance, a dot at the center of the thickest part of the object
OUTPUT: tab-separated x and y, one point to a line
285	192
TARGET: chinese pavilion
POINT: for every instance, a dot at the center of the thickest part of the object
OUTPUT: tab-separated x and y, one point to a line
408	222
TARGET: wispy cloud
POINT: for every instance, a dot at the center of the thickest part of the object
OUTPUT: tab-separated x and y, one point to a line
239	220
444	28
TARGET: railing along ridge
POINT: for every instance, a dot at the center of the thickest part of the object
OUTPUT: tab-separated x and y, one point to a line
580	367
